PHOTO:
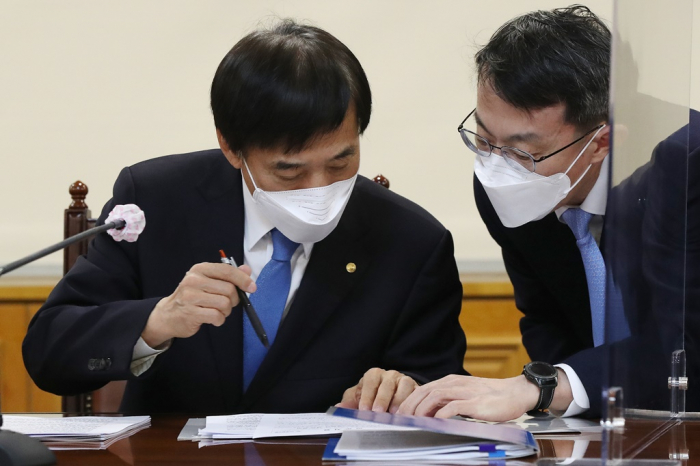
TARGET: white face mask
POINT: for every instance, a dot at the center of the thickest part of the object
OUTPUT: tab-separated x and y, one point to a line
304	215
520	197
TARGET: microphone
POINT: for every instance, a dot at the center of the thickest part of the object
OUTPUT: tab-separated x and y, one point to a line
124	223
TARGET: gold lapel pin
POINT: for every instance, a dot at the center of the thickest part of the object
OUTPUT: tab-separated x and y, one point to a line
351	267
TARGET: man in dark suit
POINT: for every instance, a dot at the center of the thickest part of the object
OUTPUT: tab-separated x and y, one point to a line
542	176
644	244
344	274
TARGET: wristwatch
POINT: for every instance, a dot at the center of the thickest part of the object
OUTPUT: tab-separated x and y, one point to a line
545	376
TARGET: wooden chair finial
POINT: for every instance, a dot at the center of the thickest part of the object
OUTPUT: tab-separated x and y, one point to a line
78	191
382	180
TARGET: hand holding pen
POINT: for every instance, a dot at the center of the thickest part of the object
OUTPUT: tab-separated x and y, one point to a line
247	306
206	295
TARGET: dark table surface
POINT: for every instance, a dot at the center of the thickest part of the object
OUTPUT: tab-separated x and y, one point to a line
158	445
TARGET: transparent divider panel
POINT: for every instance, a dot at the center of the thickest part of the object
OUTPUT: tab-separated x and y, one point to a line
650	377
645	229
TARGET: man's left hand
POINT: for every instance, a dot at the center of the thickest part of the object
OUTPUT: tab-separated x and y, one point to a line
379	390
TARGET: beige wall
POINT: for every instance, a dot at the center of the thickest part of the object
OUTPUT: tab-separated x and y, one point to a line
88	87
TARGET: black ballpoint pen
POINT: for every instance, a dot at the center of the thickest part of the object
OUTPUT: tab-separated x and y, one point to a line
247	306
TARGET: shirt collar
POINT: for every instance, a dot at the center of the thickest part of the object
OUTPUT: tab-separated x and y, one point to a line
597	199
257	225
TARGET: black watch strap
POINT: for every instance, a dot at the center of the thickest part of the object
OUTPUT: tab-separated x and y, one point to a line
546	397
544	376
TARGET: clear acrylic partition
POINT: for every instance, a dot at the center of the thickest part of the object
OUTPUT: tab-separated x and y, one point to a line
644	239
652	372
651	353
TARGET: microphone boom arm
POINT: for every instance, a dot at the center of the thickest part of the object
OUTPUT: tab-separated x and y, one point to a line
117	224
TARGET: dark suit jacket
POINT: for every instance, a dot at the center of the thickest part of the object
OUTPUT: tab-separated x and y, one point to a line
399	310
644	243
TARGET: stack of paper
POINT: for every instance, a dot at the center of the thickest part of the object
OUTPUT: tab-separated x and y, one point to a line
439	440
226	429
552	425
548	424
77	433
418	446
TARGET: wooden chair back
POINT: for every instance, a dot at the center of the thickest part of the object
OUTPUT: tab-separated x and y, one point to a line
77	218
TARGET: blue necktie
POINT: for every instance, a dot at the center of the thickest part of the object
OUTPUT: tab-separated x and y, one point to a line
594	265
609	323
269	301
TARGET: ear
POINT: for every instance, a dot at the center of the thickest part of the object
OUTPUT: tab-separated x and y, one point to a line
231	156
602	145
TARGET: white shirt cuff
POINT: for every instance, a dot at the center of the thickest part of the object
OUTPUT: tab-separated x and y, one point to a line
143	356
580	402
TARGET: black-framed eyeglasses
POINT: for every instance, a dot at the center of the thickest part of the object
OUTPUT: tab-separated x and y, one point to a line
516	158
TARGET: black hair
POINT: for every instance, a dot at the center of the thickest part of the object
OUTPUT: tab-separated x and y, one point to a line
284	86
544	58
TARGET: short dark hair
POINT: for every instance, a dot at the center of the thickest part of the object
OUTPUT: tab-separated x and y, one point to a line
544	58
284	86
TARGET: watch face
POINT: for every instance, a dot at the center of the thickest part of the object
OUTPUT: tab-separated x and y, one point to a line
542	369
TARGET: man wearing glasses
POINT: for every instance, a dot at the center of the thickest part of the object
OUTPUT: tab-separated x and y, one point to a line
540	134
541	139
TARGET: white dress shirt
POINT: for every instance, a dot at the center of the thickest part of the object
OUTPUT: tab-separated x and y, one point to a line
594	204
257	251
257	246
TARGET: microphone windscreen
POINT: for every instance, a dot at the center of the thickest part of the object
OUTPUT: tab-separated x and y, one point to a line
135	222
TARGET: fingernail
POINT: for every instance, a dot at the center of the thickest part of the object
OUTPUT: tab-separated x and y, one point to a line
393	410
252	287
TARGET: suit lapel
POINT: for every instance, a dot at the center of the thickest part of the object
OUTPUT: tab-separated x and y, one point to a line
218	223
325	283
551	245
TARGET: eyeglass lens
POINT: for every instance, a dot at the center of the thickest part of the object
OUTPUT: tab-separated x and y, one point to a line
514	157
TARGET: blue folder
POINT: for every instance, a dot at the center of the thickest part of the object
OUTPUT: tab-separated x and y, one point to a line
495	433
